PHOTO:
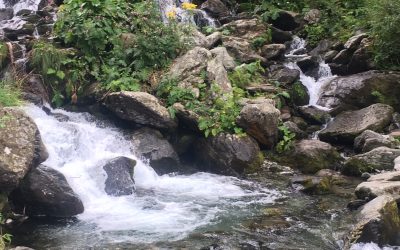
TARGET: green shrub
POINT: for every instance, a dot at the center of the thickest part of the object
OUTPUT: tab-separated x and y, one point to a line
9	95
246	74
383	18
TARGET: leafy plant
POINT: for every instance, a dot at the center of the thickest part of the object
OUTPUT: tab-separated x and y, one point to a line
246	74
287	139
261	40
9	94
5	238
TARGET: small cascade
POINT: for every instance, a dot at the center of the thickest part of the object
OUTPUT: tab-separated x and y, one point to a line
163	207
313	84
174	8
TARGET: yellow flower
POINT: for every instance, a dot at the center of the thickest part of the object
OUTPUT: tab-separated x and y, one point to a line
171	14
189	6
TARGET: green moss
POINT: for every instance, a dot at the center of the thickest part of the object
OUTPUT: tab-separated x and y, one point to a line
255	166
299	94
355	167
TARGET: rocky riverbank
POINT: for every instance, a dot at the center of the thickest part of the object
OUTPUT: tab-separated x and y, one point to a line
244	94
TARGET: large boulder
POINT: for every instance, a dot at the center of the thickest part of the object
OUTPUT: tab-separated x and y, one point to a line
261	122
217	74
378	221
381	158
247	29
45	191
152	146
191	63
273	51
21	147
228	154
222	54
386	183
361	90
348	125
285	75
369	140
287	20
140	108
241	49
119	179
310	156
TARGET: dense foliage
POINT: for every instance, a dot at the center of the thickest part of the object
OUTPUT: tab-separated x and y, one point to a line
115	42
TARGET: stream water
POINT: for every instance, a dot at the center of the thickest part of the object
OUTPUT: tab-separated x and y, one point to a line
172	211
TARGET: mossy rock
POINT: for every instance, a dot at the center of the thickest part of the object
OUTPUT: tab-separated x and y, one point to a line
299	94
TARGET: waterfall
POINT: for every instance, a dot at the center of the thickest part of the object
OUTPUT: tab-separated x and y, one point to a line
197	17
163	207
313	85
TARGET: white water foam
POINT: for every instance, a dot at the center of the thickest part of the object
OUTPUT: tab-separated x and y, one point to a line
371	246
314	86
163	208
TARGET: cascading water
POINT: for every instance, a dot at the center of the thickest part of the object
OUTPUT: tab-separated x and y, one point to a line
313	85
163	207
174	8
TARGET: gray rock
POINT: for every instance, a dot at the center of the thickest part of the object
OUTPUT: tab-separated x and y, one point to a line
241	49
308	63
361	90
120	180
45	191
247	29
222	53
292	127
228	154
273	51
310	156
348	125
328	57
287	20
141	108
355	41
280	36
312	16
343	57
386	183
261	122
369	140
151	145
285	75
314	115
217	74
21	147
363	58
6	14
378	221
381	158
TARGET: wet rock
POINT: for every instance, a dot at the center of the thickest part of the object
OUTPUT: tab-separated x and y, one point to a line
325	183
215	8
361	90
241	49
187	118
310	156
35	91
12	32
369	140
356	204
387	183
307	64
285	75
287	20
292	127
45	191
151	145
261	122
120	180
261	88
348	125
228	154
6	14
280	36
299	94
222	54
314	115
45	29
378	221
273	51
141	108
21	147
381	158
